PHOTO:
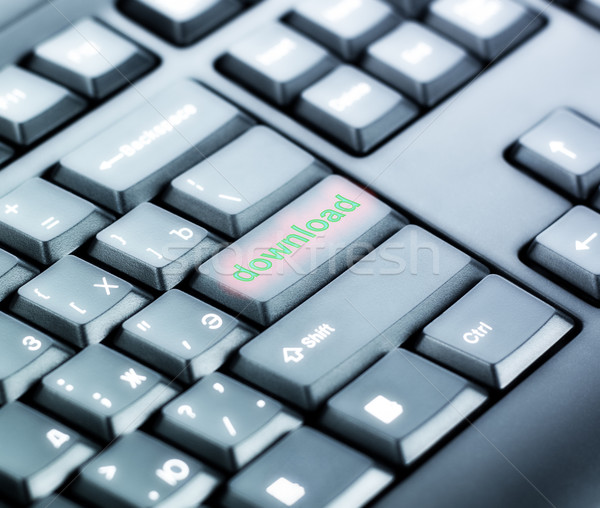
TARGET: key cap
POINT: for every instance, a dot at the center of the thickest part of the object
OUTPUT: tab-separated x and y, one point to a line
355	109
46	222
225	422
130	161
323	472
488	28
31	106
494	332
103	392
284	260
154	246
182	336
13	273
346	27
222	191
332	337
90	59
139	470
6	153
564	148
277	62
589	9
27	355
181	22
78	301
569	249
419	63
401	407
38	453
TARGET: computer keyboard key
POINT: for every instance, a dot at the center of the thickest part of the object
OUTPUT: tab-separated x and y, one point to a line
410	8
182	336
31	106
563	148
355	109
277	62
46	222
130	161
344	26
90	59
154	246
27	355
38	453
139	470
367	311
589	9
569	248
103	392
222	191
6	153
420	63
494	332
298	250
13	273
307	469
487	28
56	501
224	421
181	22
77	301
401	407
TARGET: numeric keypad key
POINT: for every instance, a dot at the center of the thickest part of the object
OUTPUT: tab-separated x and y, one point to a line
78	301
103	391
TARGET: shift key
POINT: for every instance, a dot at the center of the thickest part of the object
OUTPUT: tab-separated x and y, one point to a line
130	161
284	260
366	312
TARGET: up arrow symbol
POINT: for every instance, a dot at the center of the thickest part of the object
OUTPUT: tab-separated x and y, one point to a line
108	471
292	354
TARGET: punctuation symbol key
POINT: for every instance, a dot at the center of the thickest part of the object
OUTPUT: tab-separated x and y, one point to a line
103	400
144	326
108	472
67	386
119	239
40	294
50	222
213	321
218	387
186	410
77	309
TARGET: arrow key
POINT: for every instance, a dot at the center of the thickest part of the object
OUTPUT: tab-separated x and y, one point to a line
564	148
569	248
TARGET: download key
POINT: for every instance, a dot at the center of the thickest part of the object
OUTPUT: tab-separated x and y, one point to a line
298	250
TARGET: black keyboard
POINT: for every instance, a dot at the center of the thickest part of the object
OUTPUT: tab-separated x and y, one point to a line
312	253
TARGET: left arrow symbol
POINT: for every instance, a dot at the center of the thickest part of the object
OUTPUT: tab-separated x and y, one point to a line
108	471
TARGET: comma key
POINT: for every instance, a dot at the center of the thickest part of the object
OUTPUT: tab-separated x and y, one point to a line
130	161
298	250
367	311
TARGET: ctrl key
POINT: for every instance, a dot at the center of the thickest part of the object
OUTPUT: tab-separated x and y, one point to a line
307	469
139	470
37	454
494	332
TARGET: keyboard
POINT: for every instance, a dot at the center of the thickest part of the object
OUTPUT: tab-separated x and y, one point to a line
308	253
